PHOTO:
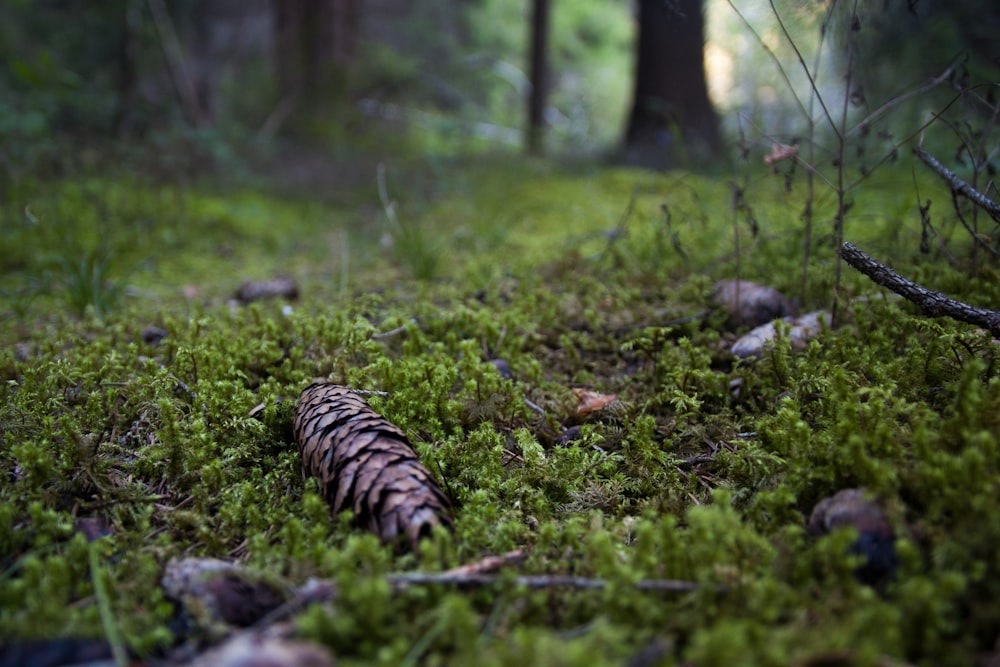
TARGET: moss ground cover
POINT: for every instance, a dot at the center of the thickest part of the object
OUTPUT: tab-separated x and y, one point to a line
705	469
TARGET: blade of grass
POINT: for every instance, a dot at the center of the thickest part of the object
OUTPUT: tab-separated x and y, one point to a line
104	608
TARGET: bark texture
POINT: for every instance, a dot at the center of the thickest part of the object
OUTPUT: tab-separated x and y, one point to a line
931	303
672	120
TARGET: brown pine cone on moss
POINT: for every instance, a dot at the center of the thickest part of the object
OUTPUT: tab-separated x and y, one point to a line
365	464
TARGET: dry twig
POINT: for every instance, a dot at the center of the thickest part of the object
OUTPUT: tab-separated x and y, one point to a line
537	581
489	563
931	303
198	580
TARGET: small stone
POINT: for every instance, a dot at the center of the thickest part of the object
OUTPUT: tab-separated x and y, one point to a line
256	290
258	651
218	593
751	304
56	651
152	335
568	435
92	527
502	367
800	331
876	542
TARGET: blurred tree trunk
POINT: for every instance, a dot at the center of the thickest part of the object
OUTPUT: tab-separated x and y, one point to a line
203	66
131	19
672	120
312	38
177	63
539	74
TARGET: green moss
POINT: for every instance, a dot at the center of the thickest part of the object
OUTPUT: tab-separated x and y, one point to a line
704	469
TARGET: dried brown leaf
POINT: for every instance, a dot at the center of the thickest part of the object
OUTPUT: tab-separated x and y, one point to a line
591	402
780	152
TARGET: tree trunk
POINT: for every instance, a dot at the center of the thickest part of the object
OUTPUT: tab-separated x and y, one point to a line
672	121
312	38
127	76
539	74
204	66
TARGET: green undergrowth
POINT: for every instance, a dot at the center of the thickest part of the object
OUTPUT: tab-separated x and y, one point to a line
581	278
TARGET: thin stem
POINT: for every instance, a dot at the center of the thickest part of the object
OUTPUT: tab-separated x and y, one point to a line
807	212
805	69
982	159
774	57
935	116
973	229
388	206
541	581
736	238
899	99
841	193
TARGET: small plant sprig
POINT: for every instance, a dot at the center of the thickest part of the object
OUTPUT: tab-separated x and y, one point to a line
411	244
841	125
88	282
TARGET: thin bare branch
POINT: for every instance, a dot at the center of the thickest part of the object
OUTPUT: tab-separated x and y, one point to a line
176	64
809	74
392	332
842	204
958	185
934	117
976	237
774	57
899	99
807	211
619	230
534	406
475	575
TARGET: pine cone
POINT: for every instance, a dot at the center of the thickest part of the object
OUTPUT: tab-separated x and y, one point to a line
365	464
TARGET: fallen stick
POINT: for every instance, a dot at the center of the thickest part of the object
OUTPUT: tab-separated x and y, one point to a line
538	581
223	593
931	303
489	563
323	591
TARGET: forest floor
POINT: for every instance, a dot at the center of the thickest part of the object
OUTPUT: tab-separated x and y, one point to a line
547	338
